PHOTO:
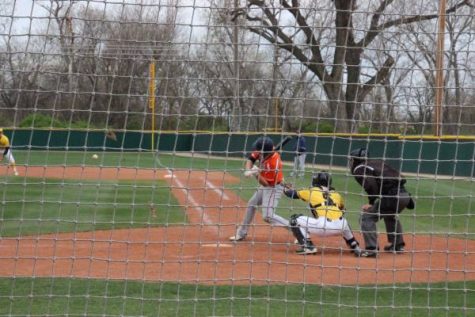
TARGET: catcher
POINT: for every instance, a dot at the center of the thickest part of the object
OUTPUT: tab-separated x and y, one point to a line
327	207
7	152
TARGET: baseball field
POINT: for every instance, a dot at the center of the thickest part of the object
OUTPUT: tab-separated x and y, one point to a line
121	235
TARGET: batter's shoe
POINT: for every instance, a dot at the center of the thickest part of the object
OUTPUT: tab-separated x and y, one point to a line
16	173
368	254
307	250
237	238
394	248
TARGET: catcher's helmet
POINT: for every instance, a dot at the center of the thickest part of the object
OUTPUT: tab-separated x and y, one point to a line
321	179
263	144
360	153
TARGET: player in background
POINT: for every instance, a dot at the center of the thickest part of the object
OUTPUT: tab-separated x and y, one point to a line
387	197
265	164
327	207
300	155
7	151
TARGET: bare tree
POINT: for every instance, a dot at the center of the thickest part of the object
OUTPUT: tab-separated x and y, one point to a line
126	55
270	91
381	112
108	55
218	68
455	97
423	61
340	76
61	11
22	69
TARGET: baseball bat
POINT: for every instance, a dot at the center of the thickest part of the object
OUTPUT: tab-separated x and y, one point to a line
281	144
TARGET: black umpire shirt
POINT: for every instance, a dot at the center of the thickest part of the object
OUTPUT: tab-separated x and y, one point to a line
377	178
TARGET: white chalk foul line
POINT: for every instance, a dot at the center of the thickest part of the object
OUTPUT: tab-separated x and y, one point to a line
217	245
217	190
193	202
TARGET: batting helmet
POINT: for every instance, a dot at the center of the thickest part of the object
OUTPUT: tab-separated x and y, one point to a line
321	179
263	144
360	153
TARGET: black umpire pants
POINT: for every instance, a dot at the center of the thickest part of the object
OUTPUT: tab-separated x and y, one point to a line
387	207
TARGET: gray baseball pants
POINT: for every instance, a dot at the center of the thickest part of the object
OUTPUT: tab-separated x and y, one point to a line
268	198
388	208
299	165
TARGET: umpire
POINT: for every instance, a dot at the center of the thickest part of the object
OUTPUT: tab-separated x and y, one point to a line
387	197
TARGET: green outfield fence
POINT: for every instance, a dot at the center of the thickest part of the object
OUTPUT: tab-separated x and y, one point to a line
447	155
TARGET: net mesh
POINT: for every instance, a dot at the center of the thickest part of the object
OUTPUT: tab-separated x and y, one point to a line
128	135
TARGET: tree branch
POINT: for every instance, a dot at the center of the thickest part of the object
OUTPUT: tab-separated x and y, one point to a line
344	40
272	32
311	40
243	11
378	78
375	29
377	14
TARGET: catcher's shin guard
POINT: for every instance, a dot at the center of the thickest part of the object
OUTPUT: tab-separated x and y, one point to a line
294	227
355	246
352	243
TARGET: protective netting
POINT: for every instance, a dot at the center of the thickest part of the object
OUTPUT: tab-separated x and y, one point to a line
225	158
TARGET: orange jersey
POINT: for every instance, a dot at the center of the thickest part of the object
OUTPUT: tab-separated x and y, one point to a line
271	167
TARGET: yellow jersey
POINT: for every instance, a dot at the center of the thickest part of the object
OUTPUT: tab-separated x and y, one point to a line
4	142
328	204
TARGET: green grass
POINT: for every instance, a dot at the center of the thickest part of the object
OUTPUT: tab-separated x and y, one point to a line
30	206
38	206
442	206
125	159
33	206
88	297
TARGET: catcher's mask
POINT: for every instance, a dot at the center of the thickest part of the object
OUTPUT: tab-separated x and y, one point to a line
264	145
321	179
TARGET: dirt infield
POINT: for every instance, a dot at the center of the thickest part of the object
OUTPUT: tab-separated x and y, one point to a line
200	252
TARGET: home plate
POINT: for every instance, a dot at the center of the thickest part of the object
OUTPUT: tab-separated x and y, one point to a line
217	245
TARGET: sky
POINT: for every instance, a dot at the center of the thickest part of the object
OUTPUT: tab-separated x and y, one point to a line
22	10
29	13
22	7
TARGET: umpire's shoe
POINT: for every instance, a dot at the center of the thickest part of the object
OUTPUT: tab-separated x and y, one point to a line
237	237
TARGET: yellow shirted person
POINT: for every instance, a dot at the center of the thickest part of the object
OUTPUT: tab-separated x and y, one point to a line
6	151
327	207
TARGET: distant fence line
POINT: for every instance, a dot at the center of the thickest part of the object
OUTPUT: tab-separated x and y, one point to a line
441	156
